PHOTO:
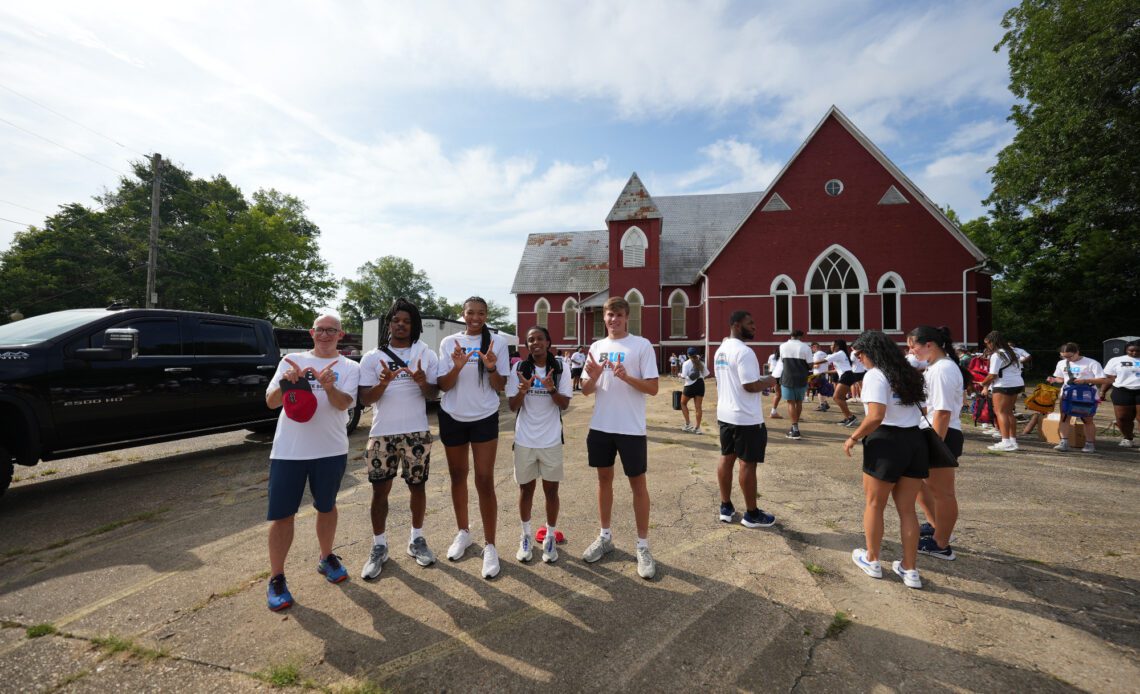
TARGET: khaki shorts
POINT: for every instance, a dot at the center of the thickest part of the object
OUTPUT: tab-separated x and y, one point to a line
533	463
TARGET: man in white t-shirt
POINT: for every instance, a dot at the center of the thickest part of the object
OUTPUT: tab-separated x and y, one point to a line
315	390
795	360
537	392
398	378
740	414
621	369
577	362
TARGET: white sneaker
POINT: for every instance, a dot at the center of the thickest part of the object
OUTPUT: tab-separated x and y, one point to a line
459	545
1003	446
686	428
872	568
1089	448
646	566
549	548
1063	446
909	576
1125	443
996	434
526	551
490	561
697	431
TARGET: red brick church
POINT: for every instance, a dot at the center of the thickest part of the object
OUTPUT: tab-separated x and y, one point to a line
840	242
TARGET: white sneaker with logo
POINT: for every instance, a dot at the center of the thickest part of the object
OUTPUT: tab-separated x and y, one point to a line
909	576
490	561
459	545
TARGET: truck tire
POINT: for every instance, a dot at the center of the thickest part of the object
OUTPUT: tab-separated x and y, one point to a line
7	469
354	417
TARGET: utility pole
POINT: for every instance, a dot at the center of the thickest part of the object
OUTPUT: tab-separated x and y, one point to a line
152	260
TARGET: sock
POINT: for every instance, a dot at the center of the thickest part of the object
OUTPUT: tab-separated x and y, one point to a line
381	539
642	542
606	534
551	532
417	532
1064	440
526	527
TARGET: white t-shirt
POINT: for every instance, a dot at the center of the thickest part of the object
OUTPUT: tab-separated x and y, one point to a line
689	372
916	362
469	400
1127	371
577	360
539	422
773	360
876	388
857	366
840	361
795	349
402	408
1081	368
736	364
672	360
1022	355
820	356
326	433
619	408
944	391
1011	376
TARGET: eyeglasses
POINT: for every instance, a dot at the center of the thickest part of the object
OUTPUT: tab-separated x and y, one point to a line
326	331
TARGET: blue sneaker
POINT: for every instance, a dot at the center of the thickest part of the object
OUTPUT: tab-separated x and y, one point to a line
756	518
727	510
331	568
929	546
278	594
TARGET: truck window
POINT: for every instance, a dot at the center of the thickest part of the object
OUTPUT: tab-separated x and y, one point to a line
158	337
230	339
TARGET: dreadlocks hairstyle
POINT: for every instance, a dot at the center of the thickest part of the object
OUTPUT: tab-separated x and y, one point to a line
904	380
398	305
941	337
553	363
1001	345
485	342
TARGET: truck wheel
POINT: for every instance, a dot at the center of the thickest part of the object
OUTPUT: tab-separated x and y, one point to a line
354	418
7	467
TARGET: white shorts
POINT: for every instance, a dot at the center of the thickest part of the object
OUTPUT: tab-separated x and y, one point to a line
533	463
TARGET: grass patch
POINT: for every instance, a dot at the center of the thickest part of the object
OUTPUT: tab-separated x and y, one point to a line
232	590
115	525
831	525
838	624
1110	553
45	473
281	675
72	678
365	687
116	644
38	630
58	544
15	552
814	568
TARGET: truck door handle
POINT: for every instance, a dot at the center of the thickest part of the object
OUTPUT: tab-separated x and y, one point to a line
177	370
267	367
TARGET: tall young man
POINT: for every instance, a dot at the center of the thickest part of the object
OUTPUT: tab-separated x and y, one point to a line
317	388
398	377
621	369
795	358
740	413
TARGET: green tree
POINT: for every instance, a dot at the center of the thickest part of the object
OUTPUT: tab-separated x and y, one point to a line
1063	213
378	283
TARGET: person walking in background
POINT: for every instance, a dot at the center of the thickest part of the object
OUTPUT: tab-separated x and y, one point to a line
693	374
795	359
1123	374
1004	383
577	361
774	371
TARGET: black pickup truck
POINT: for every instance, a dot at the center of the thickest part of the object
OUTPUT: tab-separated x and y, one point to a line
89	380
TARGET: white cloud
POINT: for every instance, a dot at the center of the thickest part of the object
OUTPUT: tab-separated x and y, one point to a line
959	175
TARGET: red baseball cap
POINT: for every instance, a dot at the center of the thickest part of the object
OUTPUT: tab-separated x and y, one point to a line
298	399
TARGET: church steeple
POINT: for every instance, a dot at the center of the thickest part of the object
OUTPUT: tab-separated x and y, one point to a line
634	203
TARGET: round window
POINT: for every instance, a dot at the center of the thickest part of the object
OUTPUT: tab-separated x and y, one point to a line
833	187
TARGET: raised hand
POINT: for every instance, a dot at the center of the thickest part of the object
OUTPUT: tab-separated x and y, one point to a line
327	378
294	372
386	374
458	355
418	375
525	384
490	360
619	371
547	382
593	368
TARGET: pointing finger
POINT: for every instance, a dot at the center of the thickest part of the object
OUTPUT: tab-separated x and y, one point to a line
292	363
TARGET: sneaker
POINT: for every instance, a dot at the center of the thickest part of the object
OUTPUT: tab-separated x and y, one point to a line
846	421
927	545
872	568
794	434
997	435
727	511
597	549
775	415
852	422
1089	448
331	568
418	550
550	550
1063	446
526	552
278	594
459	545
646	567
375	562
490	561
909	576
1003	446
756	518
686	428
697	431
1125	443
926	530
540	536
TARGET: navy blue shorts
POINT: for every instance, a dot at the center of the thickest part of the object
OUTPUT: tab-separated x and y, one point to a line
287	480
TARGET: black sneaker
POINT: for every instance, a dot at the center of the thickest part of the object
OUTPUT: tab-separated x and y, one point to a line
928	546
926	530
851	422
794	433
727	510
756	518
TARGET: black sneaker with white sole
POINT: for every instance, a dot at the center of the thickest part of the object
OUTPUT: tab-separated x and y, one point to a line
794	433
727	511
928	546
756	518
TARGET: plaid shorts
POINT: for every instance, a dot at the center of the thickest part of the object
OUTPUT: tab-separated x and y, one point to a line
387	454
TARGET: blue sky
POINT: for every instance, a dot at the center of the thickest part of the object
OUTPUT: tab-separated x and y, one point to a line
446	132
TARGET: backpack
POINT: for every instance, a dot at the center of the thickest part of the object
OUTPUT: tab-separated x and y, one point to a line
1078	400
983	411
825	387
979	368
1043	398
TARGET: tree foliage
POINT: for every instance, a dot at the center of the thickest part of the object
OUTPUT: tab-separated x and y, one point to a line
218	252
1063	212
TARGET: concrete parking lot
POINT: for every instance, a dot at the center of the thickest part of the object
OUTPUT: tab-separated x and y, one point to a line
145	570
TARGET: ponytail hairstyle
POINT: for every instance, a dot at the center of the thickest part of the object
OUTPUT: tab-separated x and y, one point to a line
905	381
941	337
485	342
553	363
1001	346
402	304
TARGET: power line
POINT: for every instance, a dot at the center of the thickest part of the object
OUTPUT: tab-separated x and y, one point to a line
14	204
5	219
53	142
69	119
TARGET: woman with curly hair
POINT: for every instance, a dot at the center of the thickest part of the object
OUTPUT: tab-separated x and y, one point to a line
894	451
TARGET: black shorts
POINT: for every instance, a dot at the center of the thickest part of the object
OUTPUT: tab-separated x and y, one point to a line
452	432
575	372
954	441
745	441
1012	390
850	378
892	452
1125	397
696	390
602	447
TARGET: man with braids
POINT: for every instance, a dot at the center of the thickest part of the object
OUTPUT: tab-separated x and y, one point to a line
945	387
895	458
473	368
398	378
537	391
